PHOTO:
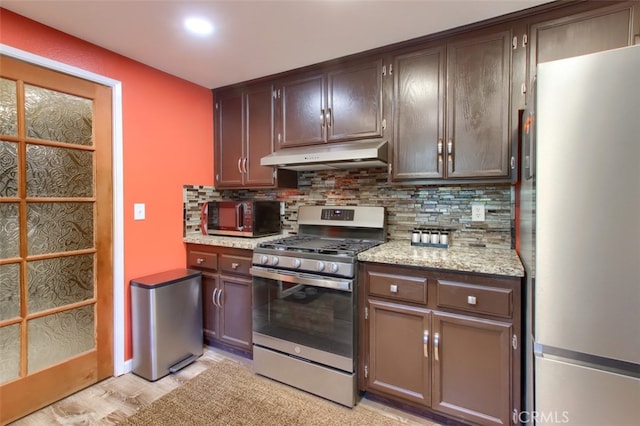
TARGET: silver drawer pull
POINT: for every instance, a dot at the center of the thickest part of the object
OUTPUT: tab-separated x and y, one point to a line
234	265
436	346
471	300
393	288
200	261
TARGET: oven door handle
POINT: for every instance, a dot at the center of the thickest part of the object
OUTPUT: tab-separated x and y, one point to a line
335	284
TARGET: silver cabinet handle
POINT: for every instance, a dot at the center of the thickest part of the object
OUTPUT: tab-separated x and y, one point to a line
450	146
439	146
240	164
328	117
471	300
200	261
393	288
213	297
219	298
244	164
323	117
425	343
234	265
436	345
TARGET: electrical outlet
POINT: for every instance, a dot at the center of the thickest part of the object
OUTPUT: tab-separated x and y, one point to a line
138	211
477	212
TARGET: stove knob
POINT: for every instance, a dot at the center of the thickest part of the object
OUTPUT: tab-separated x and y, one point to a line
333	267
320	266
264	259
274	260
296	263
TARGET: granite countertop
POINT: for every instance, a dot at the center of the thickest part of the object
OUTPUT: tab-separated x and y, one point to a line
400	252
234	242
462	259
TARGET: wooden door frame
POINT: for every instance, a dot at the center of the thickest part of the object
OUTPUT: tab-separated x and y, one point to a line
119	365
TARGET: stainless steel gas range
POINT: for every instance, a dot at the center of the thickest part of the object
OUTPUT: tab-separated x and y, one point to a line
304	300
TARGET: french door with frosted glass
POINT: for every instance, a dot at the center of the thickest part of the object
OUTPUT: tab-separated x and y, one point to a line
55	236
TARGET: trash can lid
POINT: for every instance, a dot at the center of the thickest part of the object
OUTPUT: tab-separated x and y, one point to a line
165	278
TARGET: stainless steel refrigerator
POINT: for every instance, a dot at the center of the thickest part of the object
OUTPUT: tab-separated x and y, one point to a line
580	241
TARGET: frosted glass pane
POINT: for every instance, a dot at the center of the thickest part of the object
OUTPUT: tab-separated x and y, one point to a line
57	337
57	282
8	107
9	291
9	230
59	227
8	169
59	172
9	352
58	116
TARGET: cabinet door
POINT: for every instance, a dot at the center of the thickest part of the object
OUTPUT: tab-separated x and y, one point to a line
209	308
302	111
354	102
472	368
259	135
583	33
399	351
228	139
478	79
235	316
418	114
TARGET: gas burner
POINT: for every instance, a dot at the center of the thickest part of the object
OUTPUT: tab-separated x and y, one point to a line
315	244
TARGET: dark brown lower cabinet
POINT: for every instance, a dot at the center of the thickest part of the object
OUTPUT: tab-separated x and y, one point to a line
226	294
463	363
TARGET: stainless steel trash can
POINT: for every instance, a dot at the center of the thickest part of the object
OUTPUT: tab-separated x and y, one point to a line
166	316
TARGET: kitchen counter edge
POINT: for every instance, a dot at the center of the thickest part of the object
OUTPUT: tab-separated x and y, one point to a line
482	260
233	242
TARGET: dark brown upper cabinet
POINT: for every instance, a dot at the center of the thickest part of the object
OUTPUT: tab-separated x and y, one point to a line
558	35
451	109
339	104
244	120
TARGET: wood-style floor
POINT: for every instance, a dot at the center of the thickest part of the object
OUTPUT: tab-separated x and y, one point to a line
116	398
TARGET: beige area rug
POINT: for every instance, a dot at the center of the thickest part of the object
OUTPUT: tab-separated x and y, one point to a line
229	393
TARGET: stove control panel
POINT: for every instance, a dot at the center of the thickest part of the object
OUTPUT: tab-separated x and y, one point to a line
337	214
305	265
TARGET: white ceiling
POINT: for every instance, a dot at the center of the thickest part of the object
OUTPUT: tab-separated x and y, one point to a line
253	38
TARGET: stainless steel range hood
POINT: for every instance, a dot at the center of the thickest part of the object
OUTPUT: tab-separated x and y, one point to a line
348	155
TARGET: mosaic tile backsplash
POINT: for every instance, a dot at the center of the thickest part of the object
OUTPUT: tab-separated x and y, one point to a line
407	207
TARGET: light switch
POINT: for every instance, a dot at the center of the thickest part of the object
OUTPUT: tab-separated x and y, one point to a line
138	211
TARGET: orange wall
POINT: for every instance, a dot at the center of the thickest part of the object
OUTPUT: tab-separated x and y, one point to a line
167	142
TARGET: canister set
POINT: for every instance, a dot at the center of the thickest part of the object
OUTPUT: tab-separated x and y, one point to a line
430	237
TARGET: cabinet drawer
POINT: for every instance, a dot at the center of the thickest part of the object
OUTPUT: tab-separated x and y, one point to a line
202	260
475	298
398	287
235	264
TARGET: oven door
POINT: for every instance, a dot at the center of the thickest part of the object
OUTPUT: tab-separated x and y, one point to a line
305	315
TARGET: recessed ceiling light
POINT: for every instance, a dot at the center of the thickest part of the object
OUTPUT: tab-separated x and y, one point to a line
198	26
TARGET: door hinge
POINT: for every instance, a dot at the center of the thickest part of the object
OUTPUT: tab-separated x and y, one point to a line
525	40
366	371
514	342
514	43
384	124
366	313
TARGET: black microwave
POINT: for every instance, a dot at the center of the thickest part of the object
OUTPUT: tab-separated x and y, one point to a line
241	218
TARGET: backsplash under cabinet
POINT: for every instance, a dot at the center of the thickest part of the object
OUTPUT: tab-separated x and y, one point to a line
407	207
